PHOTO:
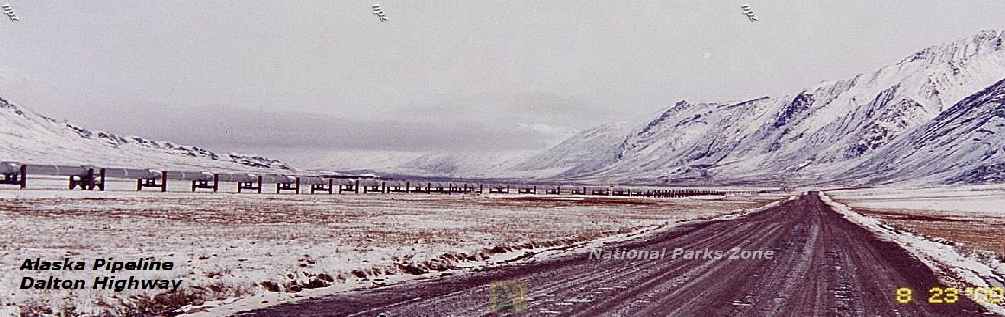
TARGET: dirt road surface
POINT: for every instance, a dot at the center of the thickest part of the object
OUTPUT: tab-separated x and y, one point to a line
823	265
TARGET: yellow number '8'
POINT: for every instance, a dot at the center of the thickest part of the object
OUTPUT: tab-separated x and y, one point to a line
904	295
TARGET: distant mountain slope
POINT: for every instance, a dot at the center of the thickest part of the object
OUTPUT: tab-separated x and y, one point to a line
964	144
463	164
33	138
814	135
586	152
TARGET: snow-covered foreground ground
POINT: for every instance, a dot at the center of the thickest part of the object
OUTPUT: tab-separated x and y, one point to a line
251	250
956	230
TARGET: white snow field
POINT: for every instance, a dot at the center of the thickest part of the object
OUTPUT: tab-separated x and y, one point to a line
976	200
235	251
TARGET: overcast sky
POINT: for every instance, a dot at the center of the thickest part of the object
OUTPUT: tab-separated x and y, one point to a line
529	71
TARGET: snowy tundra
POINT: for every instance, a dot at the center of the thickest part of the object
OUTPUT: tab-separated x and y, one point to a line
236	251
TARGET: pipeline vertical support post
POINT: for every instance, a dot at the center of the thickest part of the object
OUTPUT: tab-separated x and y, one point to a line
298	185
164	181
23	182
216	182
91	179
89	182
357	186
331	183
86	181
408	188
259	184
101	177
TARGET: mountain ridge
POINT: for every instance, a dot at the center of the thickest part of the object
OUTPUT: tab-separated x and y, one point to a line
35	138
816	133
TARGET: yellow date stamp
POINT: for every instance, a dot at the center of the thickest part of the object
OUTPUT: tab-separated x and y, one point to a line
508	296
951	295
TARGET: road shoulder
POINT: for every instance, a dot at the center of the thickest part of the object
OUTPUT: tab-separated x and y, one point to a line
953	268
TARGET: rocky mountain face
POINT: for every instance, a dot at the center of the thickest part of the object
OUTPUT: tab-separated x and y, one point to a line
32	138
814	135
964	144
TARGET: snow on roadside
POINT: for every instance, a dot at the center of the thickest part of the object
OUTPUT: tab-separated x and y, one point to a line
513	257
952	266
586	246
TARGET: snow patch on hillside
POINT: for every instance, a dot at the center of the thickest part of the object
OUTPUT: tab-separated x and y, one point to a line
33	138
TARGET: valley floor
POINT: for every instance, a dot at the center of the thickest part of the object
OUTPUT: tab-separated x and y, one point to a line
240	251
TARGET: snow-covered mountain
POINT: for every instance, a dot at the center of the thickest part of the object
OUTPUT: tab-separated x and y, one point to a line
934	116
964	144
577	154
33	138
567	158
464	164
815	134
